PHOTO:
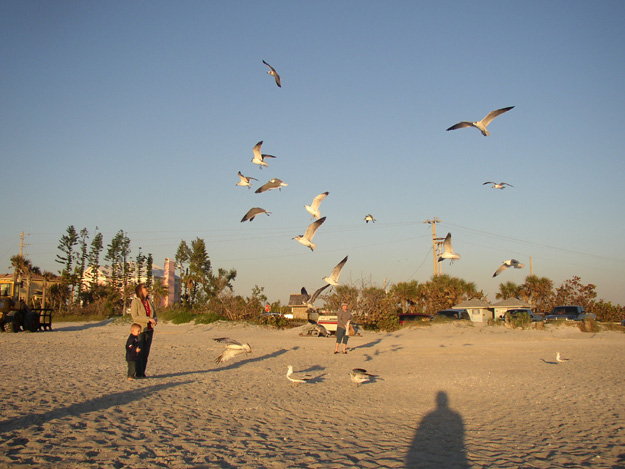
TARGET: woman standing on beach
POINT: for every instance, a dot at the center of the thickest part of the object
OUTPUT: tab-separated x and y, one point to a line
343	317
143	313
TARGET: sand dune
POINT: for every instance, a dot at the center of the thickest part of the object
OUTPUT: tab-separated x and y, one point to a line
446	396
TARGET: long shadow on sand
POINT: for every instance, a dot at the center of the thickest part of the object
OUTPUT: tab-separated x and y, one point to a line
92	405
81	327
232	366
439	440
373	343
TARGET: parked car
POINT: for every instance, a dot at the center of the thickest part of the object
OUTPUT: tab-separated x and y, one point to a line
407	318
516	312
569	313
452	314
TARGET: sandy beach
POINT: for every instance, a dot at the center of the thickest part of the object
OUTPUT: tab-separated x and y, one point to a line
448	395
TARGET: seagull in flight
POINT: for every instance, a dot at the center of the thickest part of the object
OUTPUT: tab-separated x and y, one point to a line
296	379
313	208
369	218
233	348
306	238
498	185
274	183
273	73
481	125
509	263
333	278
245	181
449	250
253	212
259	158
310	300
360	376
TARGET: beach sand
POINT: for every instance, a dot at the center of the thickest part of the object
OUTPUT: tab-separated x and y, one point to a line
448	395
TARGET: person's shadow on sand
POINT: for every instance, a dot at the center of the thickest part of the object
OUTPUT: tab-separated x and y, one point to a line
439	440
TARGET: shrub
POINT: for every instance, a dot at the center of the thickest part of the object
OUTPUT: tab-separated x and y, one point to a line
588	325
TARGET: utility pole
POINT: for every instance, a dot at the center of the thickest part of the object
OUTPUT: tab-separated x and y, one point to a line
435	245
22	234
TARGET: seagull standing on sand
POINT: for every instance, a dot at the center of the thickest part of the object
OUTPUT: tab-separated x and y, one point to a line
313	208
498	185
259	158
360	376
369	218
509	263
449	250
233	348
481	125
273	73
296	379
333	278
560	359
245	181
306	238
252	213
274	183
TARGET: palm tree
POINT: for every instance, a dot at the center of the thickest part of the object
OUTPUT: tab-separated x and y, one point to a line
508	290
159	291
538	291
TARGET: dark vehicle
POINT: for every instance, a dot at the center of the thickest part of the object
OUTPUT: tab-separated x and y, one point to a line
452	314
569	313
407	318
519	312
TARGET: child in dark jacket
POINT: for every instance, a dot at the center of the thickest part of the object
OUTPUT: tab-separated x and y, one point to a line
133	349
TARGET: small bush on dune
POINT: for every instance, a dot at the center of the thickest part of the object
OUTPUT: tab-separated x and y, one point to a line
588	325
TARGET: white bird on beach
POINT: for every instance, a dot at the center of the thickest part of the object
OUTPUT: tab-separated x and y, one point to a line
560	359
481	125
259	158
360	376
251	213
333	278
274	183
296	379
369	218
313	208
498	185
233	348
245	181
449	250
509	263
273	73
306	238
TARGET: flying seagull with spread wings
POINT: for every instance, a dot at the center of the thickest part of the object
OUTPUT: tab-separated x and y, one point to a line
233	348
448	250
360	376
259	158
310	300
498	185
306	238
481	125
274	183
333	278
245	181
273	73
369	218
253	212
313	208
509	263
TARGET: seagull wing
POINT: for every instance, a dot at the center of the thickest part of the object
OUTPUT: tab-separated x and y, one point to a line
227	341
312	228
256	150
317	200
489	182
228	354
461	125
501	268
336	272
263	156
272	69
447	244
317	293
265	187
506	184
491	115
252	213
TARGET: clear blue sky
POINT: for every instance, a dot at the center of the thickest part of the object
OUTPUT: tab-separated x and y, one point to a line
138	115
